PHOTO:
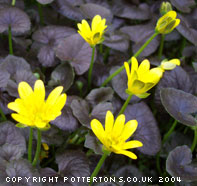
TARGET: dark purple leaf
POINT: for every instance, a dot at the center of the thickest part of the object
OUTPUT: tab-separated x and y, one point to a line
147	131
99	95
66	121
52	136
7	3
19	70
131	11
52	35
152	46
180	105
138	32
91	9
129	171
21	168
117	41
73	164
185	29
81	111
75	50
17	19
70	9
179	164
49	37
9	134
183	5
174	140
4	77
91	142
100	73
46	56
10	152
44	2
177	78
62	75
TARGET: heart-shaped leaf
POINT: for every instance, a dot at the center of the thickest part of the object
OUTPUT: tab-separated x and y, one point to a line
179	164
62	75
75	50
15	18
147	131
180	105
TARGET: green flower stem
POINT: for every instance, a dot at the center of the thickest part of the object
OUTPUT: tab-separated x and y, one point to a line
91	67
169	132
129	61
98	167
30	144
163	141
125	105
195	140
10	40
37	148
13	2
161	46
40	13
3	115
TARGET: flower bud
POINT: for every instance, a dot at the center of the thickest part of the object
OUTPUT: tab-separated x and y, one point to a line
165	8
167	23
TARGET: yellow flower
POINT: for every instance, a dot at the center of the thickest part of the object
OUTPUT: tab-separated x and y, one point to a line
169	65
167	23
93	35
32	109
114	137
142	78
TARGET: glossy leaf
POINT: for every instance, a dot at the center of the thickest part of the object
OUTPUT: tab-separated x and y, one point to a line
179	164
100	95
75	50
147	131
63	75
9	134
17	19
180	105
177	78
91	9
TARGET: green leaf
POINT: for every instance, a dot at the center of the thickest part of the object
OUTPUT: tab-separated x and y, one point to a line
20	125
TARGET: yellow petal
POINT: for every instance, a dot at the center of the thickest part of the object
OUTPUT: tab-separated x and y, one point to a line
21	119
132	144
126	65
79	26
24	90
96	20
155	75
39	90
134	64
98	130
41	124
85	27
129	128
53	96
118	126
109	122
144	67
14	106
127	153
